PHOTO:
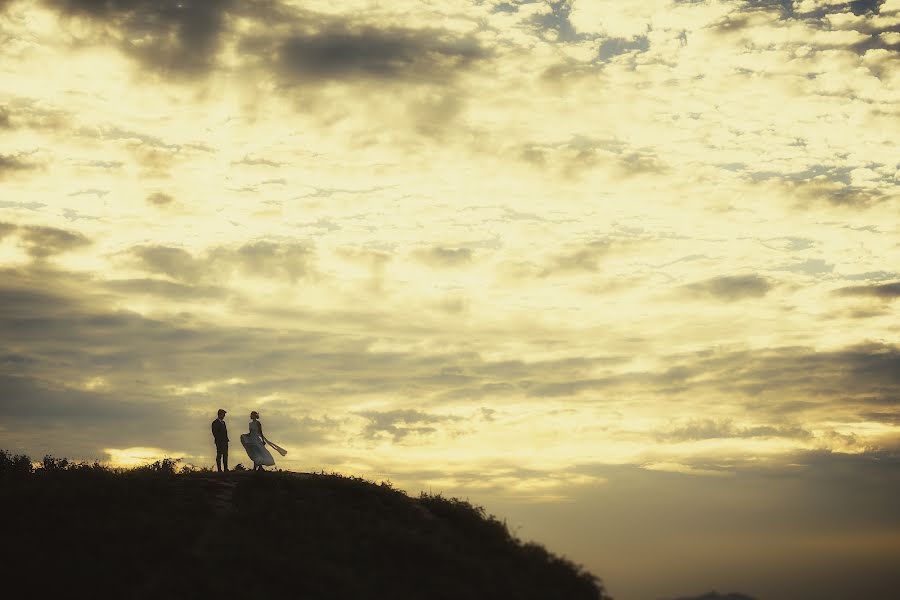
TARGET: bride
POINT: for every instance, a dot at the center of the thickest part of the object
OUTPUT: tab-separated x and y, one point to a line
255	444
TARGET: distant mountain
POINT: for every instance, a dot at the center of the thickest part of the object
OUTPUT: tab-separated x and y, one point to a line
76	529
717	596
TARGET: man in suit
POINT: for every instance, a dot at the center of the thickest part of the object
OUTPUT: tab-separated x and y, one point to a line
220	435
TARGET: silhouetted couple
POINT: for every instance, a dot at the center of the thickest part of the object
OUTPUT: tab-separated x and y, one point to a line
254	443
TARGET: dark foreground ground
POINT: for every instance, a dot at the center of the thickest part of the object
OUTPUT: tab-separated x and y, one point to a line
86	530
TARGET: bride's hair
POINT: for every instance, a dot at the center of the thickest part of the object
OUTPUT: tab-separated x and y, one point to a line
254	414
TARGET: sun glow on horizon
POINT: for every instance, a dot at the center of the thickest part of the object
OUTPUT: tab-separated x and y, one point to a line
139	456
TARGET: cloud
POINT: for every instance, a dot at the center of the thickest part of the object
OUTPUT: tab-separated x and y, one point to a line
583	259
836	193
398	424
730	288
258	162
159	199
24	113
441	256
288	261
190	37
41	242
11	163
883	291
162	288
177	36
782	382
270	259
339	51
557	19
177	263
90	419
707	429
27	399
810	266
7	229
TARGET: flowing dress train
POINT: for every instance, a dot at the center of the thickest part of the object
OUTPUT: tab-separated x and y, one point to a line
255	447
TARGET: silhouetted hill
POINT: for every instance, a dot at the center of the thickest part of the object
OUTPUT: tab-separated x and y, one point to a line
151	532
716	596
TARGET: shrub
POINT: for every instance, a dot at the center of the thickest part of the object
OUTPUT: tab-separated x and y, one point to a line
164	466
51	464
14	465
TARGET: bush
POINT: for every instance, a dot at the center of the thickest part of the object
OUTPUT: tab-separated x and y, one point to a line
54	464
164	466
14	465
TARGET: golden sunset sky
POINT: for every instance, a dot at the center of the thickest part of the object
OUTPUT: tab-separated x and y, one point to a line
623	272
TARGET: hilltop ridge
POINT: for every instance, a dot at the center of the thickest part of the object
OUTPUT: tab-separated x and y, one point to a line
156	532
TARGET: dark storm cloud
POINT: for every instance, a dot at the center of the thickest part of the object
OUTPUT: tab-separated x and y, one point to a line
731	287
181	36
185	37
343	50
884	291
441	256
5	123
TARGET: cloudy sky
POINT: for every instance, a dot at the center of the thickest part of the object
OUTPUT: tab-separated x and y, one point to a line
626	273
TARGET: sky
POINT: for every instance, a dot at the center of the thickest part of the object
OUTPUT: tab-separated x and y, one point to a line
624	273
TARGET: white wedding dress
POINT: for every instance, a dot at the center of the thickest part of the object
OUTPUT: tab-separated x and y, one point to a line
255	447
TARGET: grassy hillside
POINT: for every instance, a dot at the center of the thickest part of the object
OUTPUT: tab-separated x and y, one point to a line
155	532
